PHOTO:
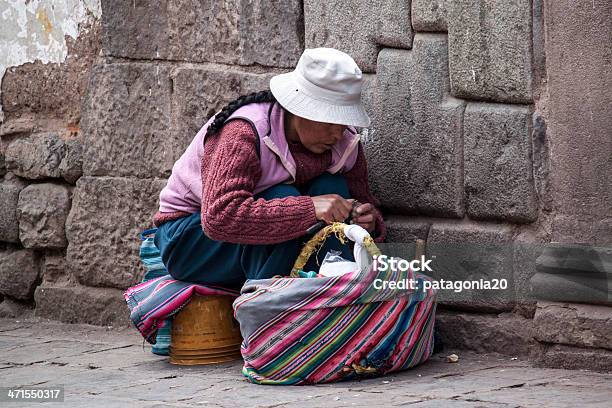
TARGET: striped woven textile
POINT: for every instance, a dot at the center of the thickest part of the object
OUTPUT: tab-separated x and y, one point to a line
319	330
150	256
153	302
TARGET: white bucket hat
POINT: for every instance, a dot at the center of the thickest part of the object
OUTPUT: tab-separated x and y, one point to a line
325	87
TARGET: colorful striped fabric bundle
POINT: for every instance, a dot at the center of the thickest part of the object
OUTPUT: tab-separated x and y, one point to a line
153	302
318	330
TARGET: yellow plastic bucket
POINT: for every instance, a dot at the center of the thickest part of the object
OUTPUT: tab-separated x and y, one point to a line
205	332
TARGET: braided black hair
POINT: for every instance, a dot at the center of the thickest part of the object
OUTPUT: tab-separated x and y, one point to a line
221	117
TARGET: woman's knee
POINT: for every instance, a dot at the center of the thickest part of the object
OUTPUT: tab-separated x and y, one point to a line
328	183
266	261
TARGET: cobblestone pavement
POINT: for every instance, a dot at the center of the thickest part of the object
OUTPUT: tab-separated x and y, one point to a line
106	367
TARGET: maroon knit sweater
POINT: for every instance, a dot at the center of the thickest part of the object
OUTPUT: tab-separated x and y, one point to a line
230	172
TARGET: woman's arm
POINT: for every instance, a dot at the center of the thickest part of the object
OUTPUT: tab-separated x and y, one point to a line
230	172
357	179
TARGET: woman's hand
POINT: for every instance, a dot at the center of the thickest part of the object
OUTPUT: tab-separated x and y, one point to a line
364	215
331	208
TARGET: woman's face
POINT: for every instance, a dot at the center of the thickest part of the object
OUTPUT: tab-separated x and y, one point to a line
317	137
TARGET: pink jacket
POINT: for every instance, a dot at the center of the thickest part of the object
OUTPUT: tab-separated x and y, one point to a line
183	191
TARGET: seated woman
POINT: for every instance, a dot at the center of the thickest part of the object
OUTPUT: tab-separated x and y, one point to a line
263	171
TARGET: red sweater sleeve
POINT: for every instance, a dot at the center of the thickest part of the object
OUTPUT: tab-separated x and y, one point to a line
357	179
230	172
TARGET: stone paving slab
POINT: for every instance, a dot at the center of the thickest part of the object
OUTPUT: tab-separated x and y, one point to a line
111	367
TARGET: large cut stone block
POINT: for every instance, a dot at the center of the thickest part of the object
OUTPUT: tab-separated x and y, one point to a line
402	234
575	358
9	198
271	32
139	117
126	121
429	15
463	251
415	148
579	118
137	29
19	273
574	273
406	229
505	333
490	49
200	92
99	306
203	30
588	288
42	212
102	229
36	157
358	28
498	169
245	32
574	324
582	228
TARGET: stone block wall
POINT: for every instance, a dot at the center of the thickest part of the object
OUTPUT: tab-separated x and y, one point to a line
487	141
46	54
88	142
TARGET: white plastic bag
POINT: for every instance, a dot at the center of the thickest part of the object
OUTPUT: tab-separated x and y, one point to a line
335	265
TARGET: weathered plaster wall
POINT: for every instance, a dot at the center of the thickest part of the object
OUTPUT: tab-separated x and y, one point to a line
36	30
